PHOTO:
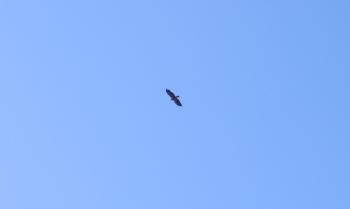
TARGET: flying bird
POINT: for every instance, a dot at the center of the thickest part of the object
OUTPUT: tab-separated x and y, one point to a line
174	97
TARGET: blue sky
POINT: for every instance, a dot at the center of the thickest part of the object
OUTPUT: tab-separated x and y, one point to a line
86	123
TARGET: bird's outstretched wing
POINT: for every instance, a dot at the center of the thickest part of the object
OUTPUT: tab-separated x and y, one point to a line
170	93
177	102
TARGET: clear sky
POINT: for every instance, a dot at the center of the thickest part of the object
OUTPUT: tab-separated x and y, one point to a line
85	122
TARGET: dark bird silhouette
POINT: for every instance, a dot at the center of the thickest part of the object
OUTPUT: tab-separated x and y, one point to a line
174	97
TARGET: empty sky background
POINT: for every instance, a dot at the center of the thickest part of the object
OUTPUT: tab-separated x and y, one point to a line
85	122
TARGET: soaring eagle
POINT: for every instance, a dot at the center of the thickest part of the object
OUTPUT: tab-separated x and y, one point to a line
173	97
